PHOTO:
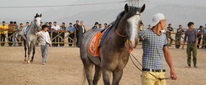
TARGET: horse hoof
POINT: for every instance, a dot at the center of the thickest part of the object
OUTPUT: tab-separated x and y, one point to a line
31	61
28	62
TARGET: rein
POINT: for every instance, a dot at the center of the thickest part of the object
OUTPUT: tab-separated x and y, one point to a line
131	55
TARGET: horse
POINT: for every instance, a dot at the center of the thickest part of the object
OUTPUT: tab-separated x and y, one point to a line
114	53
30	37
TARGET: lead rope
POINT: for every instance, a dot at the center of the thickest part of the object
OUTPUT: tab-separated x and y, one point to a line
131	55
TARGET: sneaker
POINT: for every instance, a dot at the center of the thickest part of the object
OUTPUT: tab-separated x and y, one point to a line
43	63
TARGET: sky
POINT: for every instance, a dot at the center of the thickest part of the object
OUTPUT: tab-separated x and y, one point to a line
176	11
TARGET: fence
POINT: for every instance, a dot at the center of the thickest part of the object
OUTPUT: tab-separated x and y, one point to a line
13	39
59	39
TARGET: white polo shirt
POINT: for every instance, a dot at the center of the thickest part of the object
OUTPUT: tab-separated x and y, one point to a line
57	27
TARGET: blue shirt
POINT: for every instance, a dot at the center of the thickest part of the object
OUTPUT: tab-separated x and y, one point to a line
152	45
70	28
190	36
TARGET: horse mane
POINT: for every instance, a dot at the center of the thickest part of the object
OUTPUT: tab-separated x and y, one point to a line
119	17
130	13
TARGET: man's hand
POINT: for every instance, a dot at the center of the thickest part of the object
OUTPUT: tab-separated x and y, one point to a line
50	45
173	74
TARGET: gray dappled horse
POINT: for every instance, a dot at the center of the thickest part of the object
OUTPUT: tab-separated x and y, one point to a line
30	38
113	53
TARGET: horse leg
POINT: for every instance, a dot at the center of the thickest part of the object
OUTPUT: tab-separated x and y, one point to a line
106	77
33	54
117	75
97	74
89	71
29	51
25	50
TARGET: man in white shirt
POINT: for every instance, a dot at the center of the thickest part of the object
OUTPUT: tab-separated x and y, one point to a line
55	28
45	42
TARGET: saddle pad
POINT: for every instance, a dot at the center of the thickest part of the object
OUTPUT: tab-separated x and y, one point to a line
96	42
93	46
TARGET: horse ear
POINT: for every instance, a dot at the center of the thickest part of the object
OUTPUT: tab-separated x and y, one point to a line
126	8
40	15
142	8
36	14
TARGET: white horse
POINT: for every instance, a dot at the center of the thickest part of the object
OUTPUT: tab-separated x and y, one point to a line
30	37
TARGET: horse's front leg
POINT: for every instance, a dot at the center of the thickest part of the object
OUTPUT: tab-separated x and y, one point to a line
117	75
29	52
33	54
106	76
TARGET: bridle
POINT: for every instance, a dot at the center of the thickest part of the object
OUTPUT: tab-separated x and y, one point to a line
121	35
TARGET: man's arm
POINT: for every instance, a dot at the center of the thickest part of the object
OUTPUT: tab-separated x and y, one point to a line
169	62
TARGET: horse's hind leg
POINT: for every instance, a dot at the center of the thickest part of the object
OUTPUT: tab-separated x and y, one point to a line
33	54
25	50
117	75
89	73
97	74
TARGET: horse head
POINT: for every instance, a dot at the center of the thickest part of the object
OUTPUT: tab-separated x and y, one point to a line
37	20
133	24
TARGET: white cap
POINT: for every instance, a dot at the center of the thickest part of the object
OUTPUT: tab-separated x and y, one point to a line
157	18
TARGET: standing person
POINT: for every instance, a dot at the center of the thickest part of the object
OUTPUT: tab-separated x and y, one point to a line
141	26
11	28
56	29
15	34
149	27
50	30
24	31
3	32
77	27
169	32
191	38
71	30
200	32
82	30
100	27
63	29
45	42
19	32
178	36
105	25
95	25
204	39
154	45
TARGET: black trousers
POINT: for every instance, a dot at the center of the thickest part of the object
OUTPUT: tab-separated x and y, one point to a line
70	39
10	39
61	40
199	40
2	38
55	40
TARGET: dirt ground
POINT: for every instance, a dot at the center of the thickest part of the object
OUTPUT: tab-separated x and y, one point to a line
64	67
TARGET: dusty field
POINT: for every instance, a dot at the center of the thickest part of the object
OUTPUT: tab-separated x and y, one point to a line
64	67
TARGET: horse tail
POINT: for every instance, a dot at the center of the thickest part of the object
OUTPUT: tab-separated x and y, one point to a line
83	76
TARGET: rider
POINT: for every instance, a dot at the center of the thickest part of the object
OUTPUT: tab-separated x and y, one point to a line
154	45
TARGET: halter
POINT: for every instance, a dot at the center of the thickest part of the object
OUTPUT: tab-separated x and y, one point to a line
120	34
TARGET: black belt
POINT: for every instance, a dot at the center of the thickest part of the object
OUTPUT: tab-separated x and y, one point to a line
191	42
154	70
